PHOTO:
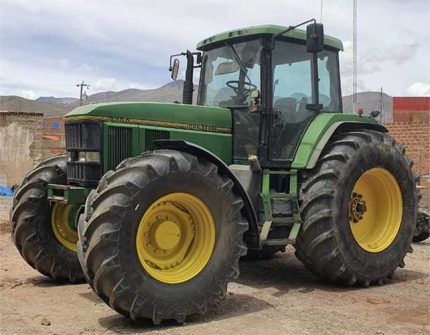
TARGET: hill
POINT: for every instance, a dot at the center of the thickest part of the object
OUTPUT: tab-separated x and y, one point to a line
17	104
53	100
51	106
370	101
170	92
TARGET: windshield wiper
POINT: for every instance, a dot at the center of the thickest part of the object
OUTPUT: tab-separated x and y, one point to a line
239	62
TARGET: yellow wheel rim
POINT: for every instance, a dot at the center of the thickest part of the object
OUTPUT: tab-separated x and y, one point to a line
175	238
63	221
375	210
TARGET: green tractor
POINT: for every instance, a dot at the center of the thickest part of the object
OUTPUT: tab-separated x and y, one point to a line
154	203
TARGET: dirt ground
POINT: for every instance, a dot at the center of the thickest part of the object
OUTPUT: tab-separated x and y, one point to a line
277	296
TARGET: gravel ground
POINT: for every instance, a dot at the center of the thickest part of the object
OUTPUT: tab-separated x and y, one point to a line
277	296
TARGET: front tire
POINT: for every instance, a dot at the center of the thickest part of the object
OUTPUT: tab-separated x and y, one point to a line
162	236
422	229
359	210
40	230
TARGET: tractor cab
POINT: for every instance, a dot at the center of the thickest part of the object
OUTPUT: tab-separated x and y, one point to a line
273	83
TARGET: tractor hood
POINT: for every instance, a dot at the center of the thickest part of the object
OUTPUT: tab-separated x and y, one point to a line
169	115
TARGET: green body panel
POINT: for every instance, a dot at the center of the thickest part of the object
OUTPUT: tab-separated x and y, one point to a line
68	194
263	30
157	114
219	144
318	131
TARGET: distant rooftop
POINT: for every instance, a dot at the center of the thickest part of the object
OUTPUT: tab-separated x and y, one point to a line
21	113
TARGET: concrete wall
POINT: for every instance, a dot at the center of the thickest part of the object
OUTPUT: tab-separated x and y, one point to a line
20	145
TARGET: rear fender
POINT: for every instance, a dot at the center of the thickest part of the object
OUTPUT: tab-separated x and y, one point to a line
315	139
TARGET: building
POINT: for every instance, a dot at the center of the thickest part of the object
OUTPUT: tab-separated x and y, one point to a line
53	136
411	128
21	145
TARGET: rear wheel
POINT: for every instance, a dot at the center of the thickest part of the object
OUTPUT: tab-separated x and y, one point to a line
359	210
45	234
162	236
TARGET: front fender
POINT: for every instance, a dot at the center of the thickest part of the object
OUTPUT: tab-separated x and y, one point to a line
252	236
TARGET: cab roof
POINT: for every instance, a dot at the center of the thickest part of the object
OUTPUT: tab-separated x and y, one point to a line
268	29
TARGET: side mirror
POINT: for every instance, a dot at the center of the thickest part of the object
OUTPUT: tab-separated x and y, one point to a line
174	69
314	37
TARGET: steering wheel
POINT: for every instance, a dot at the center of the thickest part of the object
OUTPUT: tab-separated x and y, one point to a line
247	86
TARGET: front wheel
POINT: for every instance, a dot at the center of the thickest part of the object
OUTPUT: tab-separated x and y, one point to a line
162	236
422	229
44	233
359	210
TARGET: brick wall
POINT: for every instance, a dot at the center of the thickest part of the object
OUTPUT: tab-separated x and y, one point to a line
415	137
53	136
21	145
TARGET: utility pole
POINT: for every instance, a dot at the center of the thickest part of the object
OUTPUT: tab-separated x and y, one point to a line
354	58
82	85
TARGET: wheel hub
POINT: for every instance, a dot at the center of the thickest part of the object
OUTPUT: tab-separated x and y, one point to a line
357	208
375	210
167	235
175	237
64	218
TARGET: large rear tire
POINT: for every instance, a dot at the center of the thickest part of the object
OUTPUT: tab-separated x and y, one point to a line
359	209
41	231
162	236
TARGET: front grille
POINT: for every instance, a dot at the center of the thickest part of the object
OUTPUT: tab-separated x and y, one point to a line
152	135
119	144
85	136
81	137
74	135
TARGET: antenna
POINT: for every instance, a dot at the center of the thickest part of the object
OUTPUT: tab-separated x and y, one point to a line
354	58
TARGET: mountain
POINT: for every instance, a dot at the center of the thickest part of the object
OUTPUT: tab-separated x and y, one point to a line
53	100
51	106
370	101
170	92
17	104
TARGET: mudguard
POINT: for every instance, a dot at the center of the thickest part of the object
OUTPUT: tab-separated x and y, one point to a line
252	236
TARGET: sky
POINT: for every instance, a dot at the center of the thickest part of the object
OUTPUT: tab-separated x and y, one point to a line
48	46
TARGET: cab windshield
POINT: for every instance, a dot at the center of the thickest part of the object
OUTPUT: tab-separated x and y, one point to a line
230	73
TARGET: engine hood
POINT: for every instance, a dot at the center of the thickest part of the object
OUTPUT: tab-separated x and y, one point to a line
169	115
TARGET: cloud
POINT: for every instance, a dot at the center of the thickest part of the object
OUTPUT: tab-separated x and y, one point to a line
105	84
28	94
99	39
419	89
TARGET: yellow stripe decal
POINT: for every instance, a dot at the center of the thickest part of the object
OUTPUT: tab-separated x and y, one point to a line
153	123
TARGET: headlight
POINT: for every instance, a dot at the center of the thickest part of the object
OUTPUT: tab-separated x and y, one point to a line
89	156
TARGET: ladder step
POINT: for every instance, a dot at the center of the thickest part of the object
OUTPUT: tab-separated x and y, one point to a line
287	220
283	196
278	241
